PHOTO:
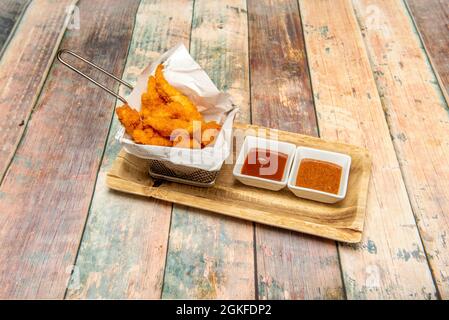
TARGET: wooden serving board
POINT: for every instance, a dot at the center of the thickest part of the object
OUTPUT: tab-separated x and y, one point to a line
342	221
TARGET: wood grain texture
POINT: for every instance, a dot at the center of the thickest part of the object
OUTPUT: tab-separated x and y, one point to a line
418	117
281	95
281	98
24	67
10	14
123	251
46	192
342	221
431	18
211	256
390	262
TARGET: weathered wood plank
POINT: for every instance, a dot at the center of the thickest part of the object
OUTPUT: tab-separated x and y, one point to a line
212	256
431	18
23	69
123	251
281	97
390	261
418	118
46	192
10	14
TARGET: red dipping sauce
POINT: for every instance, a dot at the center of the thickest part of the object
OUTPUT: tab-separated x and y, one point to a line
265	164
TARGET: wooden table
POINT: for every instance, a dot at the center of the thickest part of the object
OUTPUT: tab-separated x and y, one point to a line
367	72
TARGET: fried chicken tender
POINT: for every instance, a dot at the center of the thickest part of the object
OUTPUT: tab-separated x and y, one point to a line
129	118
171	94
178	111
151	99
160	112
209	132
150	137
167	126
132	122
172	110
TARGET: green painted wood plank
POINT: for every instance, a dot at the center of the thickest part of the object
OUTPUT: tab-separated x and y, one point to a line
46	192
211	256
10	14
123	250
290	265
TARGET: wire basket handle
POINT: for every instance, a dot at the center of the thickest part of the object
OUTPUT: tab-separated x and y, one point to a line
69	52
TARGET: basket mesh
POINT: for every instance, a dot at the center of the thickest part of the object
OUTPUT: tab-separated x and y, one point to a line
170	170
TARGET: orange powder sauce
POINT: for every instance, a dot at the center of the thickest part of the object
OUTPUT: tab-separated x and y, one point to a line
265	164
319	175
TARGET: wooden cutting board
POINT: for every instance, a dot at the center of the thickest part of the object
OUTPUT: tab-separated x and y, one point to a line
342	221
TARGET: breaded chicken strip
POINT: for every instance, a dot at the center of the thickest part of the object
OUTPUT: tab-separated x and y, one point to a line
150	137
129	118
209	132
172	110
167	126
151	99
171	94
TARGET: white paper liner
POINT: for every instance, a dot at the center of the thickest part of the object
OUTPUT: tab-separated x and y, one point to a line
186	75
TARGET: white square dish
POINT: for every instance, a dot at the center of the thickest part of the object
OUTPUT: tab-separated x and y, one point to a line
340	159
252	142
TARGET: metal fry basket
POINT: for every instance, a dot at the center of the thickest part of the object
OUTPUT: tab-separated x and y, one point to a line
158	169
